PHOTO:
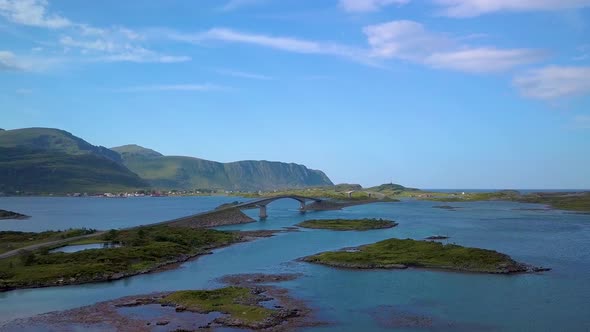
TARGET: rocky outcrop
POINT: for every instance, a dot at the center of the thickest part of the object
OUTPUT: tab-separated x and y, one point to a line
213	219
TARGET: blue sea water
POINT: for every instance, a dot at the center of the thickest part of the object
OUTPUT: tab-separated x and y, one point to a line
349	300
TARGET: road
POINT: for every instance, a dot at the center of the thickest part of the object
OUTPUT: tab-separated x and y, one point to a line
49	244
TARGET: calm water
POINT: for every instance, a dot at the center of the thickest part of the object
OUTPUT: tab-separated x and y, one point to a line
353	300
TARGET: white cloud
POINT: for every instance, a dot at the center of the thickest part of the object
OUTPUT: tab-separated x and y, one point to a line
243	74
363	6
411	41
8	61
176	87
554	82
471	8
32	13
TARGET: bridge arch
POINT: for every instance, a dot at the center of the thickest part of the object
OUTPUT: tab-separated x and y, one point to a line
263	202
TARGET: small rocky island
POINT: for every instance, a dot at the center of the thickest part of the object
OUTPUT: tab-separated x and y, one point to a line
401	254
245	303
348	224
5	214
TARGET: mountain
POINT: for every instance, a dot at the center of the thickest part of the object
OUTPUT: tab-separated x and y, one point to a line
53	160
53	140
177	172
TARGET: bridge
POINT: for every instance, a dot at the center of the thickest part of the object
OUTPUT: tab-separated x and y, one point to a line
263	202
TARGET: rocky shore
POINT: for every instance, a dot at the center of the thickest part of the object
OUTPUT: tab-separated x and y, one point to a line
265	308
5	214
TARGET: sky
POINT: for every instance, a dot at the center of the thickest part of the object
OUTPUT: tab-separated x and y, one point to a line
426	93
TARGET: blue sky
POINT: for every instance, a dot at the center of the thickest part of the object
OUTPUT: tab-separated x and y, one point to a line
426	93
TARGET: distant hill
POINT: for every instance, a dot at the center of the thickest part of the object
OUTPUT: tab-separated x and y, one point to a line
391	187
53	160
177	172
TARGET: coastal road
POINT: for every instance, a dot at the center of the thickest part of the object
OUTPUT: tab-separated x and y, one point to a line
49	244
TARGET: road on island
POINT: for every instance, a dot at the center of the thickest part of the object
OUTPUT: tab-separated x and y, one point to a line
48	244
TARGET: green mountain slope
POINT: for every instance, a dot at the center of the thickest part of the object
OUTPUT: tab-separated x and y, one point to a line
175	172
52	160
54	140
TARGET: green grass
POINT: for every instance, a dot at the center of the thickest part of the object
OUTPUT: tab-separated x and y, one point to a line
563	201
579	202
142	248
239	302
412	253
10	240
348	224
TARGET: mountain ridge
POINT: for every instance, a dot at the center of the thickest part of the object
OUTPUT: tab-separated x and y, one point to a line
184	172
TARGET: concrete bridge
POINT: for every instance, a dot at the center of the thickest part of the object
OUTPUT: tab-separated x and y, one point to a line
263	202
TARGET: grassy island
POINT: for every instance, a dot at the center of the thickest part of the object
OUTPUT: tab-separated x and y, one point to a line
400	254
240	303
348	224
143	250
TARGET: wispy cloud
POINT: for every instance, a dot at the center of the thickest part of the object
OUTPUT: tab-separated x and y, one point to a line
10	61
237	4
113	50
554	82
411	41
23	91
364	6
582	121
175	87
288	44
243	74
98	43
32	13
471	8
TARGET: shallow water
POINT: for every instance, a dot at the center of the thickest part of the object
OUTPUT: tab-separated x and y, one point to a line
354	300
81	247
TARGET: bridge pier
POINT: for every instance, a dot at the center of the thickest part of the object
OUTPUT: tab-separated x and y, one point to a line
302	207
263	214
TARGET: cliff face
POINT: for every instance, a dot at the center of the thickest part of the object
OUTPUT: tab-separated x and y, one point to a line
176	172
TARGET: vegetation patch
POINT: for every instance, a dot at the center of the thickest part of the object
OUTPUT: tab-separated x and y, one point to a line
348	224
10	240
572	201
396	253
143	250
240	303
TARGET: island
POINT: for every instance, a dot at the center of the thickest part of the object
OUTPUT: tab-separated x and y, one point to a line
348	224
246	302
139	250
5	214
401	254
